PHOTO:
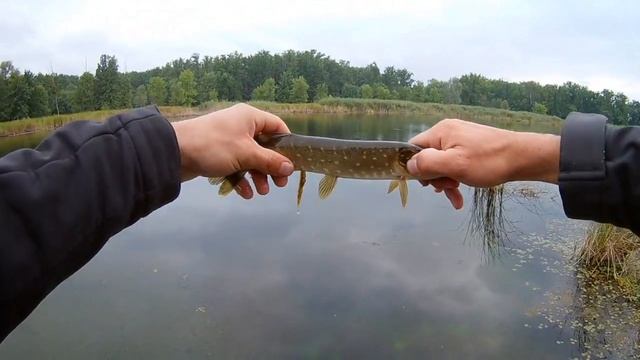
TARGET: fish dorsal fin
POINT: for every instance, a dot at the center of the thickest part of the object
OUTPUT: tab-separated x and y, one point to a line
392	186
327	184
303	180
404	192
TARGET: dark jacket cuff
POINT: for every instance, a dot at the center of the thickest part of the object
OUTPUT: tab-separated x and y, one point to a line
582	164
158	157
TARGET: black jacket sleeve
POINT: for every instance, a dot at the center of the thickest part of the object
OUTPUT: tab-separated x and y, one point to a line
61	202
600	171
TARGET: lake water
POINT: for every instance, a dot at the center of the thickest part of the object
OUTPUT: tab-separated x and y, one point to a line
352	276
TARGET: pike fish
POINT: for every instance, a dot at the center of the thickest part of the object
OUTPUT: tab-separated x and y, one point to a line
336	158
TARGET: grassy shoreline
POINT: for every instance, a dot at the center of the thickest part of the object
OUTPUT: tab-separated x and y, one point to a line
52	122
325	106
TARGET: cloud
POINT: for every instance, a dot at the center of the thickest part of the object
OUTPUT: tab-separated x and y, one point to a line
595	44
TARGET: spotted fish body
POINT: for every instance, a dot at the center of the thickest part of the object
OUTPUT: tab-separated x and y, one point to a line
336	158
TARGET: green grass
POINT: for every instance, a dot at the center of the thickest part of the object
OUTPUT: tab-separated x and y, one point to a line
377	106
498	117
48	123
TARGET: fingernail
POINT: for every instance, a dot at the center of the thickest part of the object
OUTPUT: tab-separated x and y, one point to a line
412	166
286	169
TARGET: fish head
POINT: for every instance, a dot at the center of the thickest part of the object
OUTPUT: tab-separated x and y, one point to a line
405	154
270	141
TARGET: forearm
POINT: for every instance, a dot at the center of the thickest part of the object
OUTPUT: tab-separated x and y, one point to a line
535	157
62	201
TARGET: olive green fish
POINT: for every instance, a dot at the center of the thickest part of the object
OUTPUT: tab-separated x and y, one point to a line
336	158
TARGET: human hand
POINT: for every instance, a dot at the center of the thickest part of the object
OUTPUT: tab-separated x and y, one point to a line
222	143
458	151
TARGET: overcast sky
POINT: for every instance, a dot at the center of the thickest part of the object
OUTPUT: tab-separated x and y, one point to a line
593	43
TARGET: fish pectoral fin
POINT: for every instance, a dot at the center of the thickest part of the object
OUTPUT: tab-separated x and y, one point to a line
226	187
404	192
303	180
216	180
327	184
393	185
228	183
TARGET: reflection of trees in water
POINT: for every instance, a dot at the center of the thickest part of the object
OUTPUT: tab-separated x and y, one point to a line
605	323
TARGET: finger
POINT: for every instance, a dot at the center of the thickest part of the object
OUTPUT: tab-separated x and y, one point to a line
243	188
424	182
269	123
280	181
260	181
427	139
455	197
268	162
445	183
431	163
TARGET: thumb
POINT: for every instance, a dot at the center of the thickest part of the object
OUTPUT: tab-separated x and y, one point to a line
268	162
431	163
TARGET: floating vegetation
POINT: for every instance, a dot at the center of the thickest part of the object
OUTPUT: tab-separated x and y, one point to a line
487	220
597	317
527	192
598	314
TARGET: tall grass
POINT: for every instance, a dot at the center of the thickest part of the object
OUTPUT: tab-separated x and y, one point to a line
606	250
377	106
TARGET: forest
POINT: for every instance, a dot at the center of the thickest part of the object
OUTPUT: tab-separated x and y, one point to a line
288	77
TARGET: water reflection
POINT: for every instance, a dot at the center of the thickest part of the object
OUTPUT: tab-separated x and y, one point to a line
370	127
8	144
605	324
352	276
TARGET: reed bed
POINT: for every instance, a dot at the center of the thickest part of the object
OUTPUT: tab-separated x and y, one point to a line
496	117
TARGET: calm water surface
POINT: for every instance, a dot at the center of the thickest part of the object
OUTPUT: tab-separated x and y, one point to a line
353	276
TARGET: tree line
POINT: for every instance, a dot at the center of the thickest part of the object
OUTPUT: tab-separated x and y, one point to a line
291	77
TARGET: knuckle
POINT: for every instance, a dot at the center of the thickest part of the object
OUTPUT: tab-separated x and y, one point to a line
449	124
243	108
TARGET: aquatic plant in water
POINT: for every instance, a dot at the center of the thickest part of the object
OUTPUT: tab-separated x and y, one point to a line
608	250
487	220
598	315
